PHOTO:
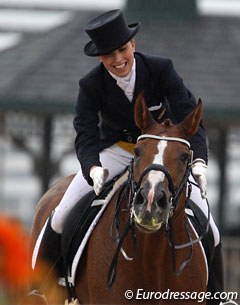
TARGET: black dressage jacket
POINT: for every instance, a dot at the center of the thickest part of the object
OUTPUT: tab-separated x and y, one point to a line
104	115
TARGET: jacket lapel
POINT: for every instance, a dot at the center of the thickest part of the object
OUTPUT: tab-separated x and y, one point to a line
143	79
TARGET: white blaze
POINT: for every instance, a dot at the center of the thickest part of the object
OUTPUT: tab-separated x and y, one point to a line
155	177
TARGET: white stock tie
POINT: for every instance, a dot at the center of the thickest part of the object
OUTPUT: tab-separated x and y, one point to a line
127	83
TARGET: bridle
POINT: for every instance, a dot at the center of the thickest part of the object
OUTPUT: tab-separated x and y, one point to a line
132	187
175	139
176	191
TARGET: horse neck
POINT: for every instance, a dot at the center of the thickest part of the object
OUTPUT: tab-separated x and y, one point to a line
179	212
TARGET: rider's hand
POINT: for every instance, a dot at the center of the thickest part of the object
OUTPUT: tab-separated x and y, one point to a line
99	177
199	172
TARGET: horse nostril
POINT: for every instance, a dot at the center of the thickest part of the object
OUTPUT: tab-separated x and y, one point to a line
140	197
161	200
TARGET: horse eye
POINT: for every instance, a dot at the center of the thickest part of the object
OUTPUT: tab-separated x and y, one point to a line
136	152
184	157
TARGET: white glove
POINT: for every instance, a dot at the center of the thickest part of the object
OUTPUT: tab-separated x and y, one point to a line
99	177
199	172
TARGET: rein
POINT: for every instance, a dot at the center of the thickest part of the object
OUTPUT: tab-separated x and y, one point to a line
126	192
131	189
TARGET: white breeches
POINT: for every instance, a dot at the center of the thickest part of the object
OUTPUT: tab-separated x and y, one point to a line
115	159
196	197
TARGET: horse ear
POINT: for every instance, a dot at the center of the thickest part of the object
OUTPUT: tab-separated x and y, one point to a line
143	117
192	120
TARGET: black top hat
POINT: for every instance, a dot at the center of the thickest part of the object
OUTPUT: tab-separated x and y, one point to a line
108	32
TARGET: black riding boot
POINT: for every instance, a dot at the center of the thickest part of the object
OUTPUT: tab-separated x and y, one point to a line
50	248
216	277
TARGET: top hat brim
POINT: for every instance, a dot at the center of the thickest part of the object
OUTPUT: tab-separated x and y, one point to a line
91	49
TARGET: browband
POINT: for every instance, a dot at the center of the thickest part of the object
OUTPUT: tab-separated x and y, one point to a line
144	136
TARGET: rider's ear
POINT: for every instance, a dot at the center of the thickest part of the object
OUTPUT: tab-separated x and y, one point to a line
143	117
192	120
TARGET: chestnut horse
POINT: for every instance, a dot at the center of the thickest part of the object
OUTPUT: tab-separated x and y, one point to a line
147	215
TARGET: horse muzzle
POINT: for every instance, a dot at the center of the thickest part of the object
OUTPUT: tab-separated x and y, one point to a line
150	211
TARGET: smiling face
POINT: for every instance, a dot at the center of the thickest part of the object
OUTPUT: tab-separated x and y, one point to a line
120	61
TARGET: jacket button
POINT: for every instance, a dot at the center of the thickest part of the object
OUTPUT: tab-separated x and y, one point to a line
129	139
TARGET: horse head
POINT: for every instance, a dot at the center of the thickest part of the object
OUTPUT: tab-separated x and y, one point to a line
161	165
